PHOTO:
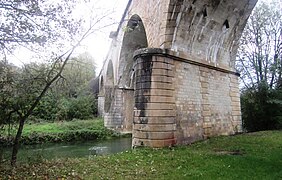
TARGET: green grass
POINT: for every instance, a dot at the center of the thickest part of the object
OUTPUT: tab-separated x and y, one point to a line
247	156
64	126
35	133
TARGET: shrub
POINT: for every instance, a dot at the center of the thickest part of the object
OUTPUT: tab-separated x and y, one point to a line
261	108
46	109
52	108
82	107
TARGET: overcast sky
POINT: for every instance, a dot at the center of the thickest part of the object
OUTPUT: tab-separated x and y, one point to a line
97	44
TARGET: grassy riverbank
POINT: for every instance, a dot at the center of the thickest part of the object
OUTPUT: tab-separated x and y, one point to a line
247	156
65	131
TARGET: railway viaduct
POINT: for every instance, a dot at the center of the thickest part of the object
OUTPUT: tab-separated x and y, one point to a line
169	77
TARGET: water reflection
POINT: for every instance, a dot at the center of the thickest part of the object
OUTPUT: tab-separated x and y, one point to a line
96	150
71	150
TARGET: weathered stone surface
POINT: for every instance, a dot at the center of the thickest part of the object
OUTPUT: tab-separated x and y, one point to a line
155	127
153	143
182	89
154	120
151	135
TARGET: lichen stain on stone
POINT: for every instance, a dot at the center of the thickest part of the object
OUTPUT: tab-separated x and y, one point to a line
143	98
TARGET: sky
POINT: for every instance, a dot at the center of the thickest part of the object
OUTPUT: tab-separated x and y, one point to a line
97	44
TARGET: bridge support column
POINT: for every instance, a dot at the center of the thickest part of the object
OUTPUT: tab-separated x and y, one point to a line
179	100
154	112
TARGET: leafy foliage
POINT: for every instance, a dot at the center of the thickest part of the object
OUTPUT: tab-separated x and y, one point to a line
71	96
7	79
35	22
68	98
261	108
76	76
81	107
260	64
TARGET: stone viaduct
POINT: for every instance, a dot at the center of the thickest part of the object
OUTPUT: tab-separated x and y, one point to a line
169	77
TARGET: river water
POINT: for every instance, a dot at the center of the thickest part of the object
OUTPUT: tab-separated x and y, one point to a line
30	153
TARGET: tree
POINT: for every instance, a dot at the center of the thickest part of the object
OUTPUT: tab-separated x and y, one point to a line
260	52
70	97
31	24
6	79
38	24
260	64
77	74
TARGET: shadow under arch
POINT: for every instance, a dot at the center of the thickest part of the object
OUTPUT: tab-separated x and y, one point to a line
101	86
134	38
109	86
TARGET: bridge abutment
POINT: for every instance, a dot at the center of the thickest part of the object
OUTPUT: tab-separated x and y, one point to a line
179	101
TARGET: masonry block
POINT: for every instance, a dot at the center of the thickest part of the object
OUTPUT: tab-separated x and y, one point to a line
136	142
158	135
155	127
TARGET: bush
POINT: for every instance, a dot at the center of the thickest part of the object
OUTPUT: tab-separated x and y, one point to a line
46	109
52	108
261	108
83	107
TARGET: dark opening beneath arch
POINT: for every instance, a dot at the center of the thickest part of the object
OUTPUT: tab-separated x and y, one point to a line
134	38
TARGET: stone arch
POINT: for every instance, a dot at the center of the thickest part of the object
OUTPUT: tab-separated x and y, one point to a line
109	86
134	38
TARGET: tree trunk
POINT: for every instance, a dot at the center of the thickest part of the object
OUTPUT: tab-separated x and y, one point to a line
17	142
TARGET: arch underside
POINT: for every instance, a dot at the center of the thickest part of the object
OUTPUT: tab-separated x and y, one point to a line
208	30
109	87
120	113
134	38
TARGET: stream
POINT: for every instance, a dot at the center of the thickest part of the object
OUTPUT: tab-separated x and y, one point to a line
31	153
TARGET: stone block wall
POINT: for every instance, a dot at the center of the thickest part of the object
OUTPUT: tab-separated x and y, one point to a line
179	102
188	100
207	102
120	114
153	14
127	110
